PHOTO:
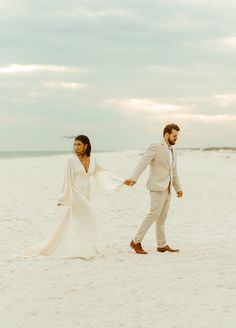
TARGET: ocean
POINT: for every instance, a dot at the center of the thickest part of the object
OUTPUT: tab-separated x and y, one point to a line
18	154
23	154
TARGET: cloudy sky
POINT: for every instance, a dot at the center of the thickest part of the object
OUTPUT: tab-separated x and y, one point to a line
118	71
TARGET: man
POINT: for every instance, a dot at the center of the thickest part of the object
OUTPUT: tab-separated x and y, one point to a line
163	175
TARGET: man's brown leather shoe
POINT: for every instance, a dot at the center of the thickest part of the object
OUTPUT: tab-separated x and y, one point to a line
137	247
167	249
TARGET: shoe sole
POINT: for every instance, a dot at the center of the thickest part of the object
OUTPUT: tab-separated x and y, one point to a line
168	251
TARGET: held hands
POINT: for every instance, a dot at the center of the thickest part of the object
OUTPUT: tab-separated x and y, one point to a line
180	194
129	182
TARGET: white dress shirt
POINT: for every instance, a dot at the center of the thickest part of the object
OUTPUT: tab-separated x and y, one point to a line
169	152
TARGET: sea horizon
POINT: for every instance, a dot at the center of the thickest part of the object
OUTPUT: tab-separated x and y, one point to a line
38	153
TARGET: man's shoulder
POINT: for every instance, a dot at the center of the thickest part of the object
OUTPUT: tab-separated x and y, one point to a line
155	145
154	148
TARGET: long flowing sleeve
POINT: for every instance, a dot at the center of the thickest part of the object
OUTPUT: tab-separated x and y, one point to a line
106	179
65	197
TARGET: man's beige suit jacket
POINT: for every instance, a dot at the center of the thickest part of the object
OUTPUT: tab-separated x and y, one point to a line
162	173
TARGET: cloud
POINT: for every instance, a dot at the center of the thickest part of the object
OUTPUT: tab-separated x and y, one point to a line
149	106
64	85
162	69
230	41
86	12
203	3
225	99
14	69
206	118
153	110
162	62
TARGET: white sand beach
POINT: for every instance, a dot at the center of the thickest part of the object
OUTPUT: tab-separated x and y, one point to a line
192	289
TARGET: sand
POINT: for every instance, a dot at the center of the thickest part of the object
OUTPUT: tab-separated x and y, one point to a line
195	288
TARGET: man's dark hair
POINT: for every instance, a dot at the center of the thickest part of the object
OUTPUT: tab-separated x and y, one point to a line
85	140
168	128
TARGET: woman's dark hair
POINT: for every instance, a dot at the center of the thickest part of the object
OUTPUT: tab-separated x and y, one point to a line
85	140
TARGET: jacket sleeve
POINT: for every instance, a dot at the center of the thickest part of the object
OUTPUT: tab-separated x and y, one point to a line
176	182
65	197
145	160
106	179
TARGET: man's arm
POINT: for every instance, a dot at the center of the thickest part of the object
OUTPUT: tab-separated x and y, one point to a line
176	183
143	163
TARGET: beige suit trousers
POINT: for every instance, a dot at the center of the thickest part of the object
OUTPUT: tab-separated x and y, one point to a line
160	203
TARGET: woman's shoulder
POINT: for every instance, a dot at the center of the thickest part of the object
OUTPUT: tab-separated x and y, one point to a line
92	160
70	159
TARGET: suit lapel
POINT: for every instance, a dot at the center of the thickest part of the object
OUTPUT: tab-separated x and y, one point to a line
165	154
173	162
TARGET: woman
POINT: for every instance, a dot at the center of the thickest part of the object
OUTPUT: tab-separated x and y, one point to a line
75	236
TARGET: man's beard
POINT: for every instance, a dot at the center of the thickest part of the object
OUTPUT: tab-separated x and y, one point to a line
171	142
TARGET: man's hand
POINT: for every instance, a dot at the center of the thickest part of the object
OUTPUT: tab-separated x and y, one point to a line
180	194
129	182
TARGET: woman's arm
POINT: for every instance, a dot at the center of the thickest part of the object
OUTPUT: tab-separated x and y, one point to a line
106	179
65	197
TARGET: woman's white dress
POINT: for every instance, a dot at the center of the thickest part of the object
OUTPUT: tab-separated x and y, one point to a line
75	236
